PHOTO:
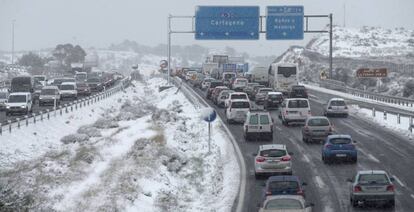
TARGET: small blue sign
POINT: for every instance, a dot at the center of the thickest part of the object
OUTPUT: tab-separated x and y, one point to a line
227	23
284	22
211	116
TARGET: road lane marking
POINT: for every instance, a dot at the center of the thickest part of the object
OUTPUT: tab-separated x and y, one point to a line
319	182
372	157
306	159
278	128
399	181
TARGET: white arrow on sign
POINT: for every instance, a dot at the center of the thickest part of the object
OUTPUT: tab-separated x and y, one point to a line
202	33
227	34
252	33
284	34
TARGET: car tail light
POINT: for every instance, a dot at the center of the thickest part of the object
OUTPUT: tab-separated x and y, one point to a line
330	129
268	193
306	128
329	107
286	158
357	189
260	159
390	188
300	192
246	128
328	146
286	113
309	112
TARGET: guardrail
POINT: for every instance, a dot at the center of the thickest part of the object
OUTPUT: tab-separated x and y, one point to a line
338	85
60	110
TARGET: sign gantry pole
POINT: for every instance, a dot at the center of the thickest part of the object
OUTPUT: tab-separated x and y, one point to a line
169	49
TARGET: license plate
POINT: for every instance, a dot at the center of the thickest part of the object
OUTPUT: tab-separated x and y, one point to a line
253	127
341	155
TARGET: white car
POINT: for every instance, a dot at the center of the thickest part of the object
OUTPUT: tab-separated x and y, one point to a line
206	83
294	110
68	90
336	107
286	203
49	95
237	110
19	102
236	95
258	124
239	84
272	159
223	96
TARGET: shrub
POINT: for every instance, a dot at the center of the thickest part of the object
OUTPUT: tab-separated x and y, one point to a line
74	138
408	88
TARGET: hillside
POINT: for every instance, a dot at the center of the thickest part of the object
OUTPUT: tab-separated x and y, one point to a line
360	48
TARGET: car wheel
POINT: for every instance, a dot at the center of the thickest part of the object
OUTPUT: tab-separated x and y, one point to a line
391	204
354	203
271	137
354	160
346	116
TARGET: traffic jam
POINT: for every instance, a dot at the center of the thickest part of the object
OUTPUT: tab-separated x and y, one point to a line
264	99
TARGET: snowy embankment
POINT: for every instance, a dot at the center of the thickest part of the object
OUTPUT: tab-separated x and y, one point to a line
141	151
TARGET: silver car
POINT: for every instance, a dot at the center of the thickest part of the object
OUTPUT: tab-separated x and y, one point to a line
223	96
284	203
316	128
336	107
261	95
272	159
373	186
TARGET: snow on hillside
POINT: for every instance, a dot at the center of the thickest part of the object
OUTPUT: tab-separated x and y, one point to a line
365	42
141	150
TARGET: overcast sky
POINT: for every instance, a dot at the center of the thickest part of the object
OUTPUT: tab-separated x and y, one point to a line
98	23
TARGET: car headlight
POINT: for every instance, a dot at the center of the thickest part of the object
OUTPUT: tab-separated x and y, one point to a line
23	106
7	106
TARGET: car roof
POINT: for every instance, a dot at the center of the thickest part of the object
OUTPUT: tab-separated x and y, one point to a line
283	178
221	86
68	83
235	93
296	197
317	117
240	100
372	172
272	146
339	136
50	87
265	88
19	93
337	99
274	93
289	99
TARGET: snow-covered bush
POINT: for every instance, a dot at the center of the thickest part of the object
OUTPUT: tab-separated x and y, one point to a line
90	131
74	138
106	123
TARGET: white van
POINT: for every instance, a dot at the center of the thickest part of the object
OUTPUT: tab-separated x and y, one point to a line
19	102
259	75
237	110
294	110
68	90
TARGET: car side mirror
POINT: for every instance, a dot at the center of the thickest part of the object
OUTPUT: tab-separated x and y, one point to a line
290	153
349	180
392	179
304	184
254	154
308	205
355	141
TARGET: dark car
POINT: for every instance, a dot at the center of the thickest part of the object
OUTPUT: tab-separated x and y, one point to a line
273	100
298	91
283	185
83	89
95	84
213	84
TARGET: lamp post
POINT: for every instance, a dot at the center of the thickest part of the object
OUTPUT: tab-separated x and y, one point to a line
13	21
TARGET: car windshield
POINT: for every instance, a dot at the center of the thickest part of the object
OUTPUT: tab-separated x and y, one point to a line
240	105
273	153
67	87
298	104
241	81
340	140
82	85
48	92
283	185
93	80
337	103
39	78
318	122
283	204
17	98
264	119
373	179
275	96
3	95
214	84
238	96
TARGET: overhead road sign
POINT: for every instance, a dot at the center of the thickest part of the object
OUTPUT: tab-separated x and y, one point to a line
284	22
373	72
227	23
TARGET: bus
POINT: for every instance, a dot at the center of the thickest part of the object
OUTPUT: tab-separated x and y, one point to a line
22	84
282	76
81	76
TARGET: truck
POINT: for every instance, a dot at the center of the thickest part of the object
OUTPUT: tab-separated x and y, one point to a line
22	84
208	67
259	74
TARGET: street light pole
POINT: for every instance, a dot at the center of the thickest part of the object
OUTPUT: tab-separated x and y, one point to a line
13	41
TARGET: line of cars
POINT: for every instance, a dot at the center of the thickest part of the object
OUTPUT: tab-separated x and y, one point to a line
286	191
25	91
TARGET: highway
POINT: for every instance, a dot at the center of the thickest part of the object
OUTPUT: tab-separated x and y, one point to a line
327	188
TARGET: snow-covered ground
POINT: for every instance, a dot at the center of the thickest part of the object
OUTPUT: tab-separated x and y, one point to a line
366	41
141	150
